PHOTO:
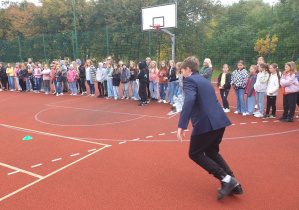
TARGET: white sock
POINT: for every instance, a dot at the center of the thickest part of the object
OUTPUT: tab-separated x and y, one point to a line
226	179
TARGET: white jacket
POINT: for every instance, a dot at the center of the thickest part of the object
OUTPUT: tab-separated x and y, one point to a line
101	73
273	85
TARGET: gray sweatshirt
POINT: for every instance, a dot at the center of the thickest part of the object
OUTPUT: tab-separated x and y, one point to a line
261	82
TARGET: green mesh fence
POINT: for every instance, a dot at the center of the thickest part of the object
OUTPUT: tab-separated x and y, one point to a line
223	39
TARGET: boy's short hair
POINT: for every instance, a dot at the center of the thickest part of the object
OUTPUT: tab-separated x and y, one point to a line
192	62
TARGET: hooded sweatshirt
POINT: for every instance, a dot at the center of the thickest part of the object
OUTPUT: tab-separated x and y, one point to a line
261	82
63	68
273	85
142	76
101	73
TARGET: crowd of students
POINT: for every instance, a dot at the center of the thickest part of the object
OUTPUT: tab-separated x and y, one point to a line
263	80
150	82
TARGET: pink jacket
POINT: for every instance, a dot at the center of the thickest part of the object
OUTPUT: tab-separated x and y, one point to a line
154	75
290	83
16	72
72	75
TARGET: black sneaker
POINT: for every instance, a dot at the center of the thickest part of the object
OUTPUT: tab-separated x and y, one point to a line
99	96
288	120
236	191
266	117
227	188
141	104
281	119
272	116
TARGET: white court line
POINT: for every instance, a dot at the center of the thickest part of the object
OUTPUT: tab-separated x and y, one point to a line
161	134
253	122
54	172
233	124
57	159
277	121
36	165
174	132
265	121
51	134
13	173
149	137
123	142
187	130
242	123
91	150
136	139
21	170
75	154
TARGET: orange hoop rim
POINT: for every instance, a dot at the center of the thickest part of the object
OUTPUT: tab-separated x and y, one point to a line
158	27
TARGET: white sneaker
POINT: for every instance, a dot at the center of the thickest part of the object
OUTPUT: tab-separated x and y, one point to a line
123	98
160	101
297	117
165	102
54	93
71	94
244	114
258	115
0	89
256	112
226	110
61	94
74	94
223	109
57	94
236	112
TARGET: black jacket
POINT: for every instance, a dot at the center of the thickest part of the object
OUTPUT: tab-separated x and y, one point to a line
116	79
59	78
82	72
22	73
143	75
3	72
171	76
227	85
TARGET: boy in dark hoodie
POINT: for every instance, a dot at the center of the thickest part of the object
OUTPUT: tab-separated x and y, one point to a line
143	78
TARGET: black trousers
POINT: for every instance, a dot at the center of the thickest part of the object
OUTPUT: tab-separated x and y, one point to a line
142	92
298	99
101	88
4	82
224	94
204	150
271	102
82	82
32	83
65	85
22	84
148	91
289	105
79	84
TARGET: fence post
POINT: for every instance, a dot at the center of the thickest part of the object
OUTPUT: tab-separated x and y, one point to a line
149	44
269	55
202	38
44	48
73	46
107	37
20	49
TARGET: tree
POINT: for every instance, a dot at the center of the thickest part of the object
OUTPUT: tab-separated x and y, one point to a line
262	45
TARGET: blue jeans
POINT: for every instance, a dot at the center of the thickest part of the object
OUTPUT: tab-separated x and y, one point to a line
162	88
37	83
170	91
55	86
250	103
18	84
11	82
110	88
240	100
260	100
181	91
134	92
73	87
91	87
116	92
28	84
137	92
153	86
175	88
58	87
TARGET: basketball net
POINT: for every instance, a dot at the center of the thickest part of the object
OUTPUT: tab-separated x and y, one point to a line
155	26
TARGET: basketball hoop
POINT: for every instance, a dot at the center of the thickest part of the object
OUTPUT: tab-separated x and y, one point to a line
157	26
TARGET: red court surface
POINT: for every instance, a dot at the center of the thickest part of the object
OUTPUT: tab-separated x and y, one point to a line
90	153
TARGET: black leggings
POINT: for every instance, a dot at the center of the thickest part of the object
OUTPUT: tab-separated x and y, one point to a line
22	84
83	86
142	92
101	88
271	102
204	150
289	105
224	94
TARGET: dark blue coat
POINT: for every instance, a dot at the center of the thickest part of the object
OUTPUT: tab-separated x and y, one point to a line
202	106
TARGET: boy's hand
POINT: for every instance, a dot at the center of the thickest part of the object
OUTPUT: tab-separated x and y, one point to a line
181	134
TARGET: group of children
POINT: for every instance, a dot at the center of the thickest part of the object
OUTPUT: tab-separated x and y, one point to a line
263	80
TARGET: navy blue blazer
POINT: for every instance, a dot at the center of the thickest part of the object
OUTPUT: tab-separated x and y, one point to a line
202	106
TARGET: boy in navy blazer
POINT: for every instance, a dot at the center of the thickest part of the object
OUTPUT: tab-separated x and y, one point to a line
209	122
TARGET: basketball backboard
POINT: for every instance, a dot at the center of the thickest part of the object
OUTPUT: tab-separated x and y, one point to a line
163	15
